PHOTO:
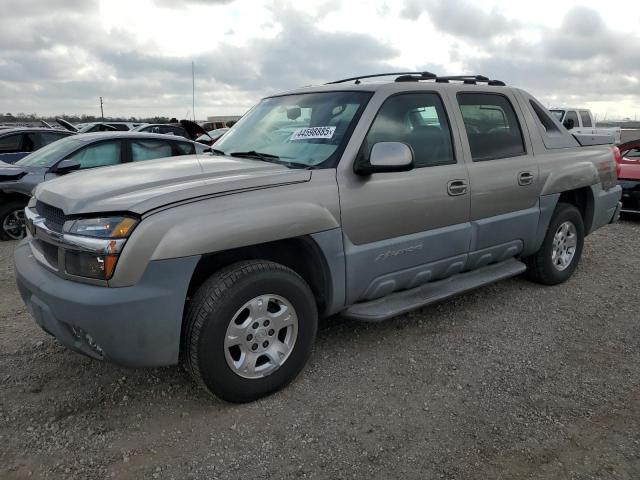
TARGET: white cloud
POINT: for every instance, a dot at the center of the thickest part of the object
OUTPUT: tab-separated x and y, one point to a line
138	54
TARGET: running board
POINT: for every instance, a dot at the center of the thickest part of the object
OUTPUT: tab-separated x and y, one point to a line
400	302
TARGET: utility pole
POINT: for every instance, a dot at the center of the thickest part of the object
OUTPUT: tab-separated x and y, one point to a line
101	111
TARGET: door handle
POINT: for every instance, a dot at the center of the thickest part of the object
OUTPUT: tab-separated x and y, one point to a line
456	187
525	178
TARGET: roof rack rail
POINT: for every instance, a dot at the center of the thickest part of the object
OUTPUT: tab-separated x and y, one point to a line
417	76
423	76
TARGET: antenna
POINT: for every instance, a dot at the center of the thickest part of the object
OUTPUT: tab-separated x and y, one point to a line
101	111
193	91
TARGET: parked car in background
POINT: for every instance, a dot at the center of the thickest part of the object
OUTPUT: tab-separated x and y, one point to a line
183	128
580	121
164	129
390	196
98	126
629	176
77	152
16	143
212	136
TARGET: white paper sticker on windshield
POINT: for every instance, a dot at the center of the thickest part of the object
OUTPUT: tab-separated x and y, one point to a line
313	132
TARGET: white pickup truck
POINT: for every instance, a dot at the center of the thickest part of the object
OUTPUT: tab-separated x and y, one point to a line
580	121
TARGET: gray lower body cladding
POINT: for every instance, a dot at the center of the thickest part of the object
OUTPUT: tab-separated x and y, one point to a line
137	326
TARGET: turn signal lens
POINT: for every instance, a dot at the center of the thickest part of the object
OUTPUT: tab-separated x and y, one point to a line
90	265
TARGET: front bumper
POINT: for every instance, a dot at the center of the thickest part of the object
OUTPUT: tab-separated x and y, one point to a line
630	195
137	326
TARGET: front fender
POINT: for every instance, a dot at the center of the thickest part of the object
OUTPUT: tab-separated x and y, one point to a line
231	221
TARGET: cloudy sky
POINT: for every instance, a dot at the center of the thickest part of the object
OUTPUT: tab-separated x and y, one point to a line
59	56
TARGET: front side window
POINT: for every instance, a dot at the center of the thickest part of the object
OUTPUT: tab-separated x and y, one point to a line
571	120
492	126
417	119
185	148
98	155
10	143
586	119
149	149
50	154
305	130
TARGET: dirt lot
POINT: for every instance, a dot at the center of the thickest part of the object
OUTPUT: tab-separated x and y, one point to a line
512	381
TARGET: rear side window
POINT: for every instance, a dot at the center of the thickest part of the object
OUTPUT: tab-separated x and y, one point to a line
10	143
98	155
420	121
149	149
586	118
492	126
48	137
546	121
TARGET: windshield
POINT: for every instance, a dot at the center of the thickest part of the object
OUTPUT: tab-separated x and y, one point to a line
309	129
50	154
558	114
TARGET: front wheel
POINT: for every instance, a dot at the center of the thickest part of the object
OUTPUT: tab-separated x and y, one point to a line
12	226
249	330
561	249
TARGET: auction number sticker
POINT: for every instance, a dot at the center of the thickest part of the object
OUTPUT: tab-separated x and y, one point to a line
313	132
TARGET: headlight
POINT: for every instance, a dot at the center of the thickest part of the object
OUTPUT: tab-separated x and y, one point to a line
98	242
101	227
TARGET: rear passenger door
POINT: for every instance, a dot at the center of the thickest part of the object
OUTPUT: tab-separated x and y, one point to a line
503	175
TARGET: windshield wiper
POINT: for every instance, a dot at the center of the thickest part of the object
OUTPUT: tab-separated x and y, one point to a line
253	154
268	157
214	150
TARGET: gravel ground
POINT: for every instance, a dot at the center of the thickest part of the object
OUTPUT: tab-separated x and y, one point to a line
514	380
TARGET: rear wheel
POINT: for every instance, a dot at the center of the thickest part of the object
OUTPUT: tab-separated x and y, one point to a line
12	226
561	249
249	331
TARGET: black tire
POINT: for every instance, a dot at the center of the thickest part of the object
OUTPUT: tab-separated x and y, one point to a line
211	310
7	209
540	267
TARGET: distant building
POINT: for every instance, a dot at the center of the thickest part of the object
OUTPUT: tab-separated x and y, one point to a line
219	121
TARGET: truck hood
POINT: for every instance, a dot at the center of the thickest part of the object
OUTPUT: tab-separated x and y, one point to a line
144	186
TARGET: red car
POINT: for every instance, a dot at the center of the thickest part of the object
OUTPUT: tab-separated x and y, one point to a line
629	176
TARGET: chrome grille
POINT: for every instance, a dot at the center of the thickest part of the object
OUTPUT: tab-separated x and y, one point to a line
54	217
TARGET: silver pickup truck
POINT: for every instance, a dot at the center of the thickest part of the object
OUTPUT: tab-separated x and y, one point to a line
360	198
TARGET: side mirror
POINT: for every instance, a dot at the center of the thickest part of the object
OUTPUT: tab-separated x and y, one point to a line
388	157
65	166
569	123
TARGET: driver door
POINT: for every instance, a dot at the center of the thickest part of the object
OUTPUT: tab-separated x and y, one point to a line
402	229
